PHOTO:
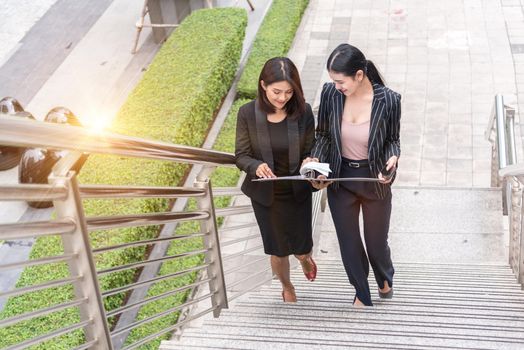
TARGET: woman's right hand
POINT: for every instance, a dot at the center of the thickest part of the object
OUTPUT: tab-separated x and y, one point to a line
263	171
308	160
320	185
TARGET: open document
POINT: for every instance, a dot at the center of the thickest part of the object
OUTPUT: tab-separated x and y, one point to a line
309	172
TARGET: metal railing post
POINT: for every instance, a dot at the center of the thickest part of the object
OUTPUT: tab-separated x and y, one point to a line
516	248
515	223
78	243
502	151
213	257
510	133
501	131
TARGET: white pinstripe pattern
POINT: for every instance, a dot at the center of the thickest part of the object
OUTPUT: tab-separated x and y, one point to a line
384	130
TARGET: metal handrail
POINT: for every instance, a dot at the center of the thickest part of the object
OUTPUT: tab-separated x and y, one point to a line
36	229
156	297
506	172
100	192
29	192
46	285
73	228
151	261
28	315
241	239
243	266
170	328
161	314
42	261
500	132
153	280
147	242
235	210
42	338
30	133
237	227
133	220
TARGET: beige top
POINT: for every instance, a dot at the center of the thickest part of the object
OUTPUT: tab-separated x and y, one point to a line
354	138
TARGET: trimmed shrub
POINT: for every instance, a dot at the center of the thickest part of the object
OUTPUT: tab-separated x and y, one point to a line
175	102
273	39
221	177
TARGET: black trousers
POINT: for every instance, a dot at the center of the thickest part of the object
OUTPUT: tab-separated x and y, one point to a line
345	203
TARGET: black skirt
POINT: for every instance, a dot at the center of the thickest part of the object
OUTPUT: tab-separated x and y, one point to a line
285	226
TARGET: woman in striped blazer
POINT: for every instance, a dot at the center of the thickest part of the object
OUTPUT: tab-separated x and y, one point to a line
358	135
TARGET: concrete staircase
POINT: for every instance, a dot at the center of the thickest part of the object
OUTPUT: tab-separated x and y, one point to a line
459	294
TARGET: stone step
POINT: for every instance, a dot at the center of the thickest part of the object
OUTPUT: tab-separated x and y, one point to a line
444	306
280	336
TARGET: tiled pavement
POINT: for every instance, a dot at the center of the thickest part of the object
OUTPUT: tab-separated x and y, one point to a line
46	45
448	59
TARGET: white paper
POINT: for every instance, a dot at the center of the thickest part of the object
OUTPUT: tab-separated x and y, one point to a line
322	168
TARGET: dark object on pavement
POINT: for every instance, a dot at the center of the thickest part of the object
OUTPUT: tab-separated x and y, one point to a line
10	156
37	163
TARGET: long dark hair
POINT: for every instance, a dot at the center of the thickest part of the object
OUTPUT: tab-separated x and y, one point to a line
282	69
348	60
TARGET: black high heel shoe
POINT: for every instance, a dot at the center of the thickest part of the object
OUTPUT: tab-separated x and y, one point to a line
386	295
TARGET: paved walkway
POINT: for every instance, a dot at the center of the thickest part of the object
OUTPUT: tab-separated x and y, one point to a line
447	58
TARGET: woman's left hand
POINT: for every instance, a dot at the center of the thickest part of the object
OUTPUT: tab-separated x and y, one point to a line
391	165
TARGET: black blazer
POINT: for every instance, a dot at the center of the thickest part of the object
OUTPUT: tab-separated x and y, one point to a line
384	130
253	147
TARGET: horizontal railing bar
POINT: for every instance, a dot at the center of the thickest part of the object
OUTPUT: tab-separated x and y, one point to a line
87	345
153	280
42	261
227	257
156	297
151	261
99	191
119	221
147	242
237	227
244	265
236	283
169	329
235	210
36	229
29	192
512	170
41	286
48	336
250	289
28	315
227	191
29	133
160	314
241	239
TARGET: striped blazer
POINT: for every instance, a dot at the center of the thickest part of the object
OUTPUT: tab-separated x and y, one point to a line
384	130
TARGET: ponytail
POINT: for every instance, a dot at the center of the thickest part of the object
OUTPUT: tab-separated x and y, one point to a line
373	74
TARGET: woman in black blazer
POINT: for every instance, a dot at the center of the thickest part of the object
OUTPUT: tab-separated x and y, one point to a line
274	135
358	135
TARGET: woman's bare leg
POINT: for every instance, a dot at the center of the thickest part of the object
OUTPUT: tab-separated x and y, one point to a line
280	267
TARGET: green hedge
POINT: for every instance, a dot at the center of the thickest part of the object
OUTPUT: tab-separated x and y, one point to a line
273	39
221	177
175	102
